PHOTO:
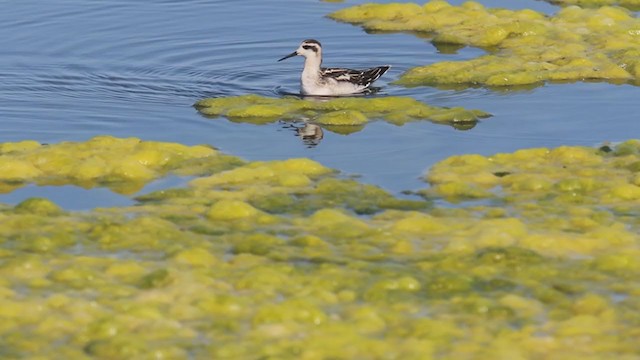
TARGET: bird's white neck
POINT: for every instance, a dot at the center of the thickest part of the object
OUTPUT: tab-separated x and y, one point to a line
311	78
312	66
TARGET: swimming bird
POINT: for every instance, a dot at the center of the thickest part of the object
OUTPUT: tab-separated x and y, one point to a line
319	81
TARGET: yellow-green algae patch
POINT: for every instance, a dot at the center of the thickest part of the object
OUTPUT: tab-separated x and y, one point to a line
272	260
573	188
121	164
526	47
630	4
337	114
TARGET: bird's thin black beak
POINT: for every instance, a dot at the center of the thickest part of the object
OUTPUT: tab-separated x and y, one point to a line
290	55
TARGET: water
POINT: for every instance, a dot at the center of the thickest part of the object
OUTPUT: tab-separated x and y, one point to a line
72	69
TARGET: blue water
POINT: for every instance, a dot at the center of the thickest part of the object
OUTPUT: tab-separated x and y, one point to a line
71	69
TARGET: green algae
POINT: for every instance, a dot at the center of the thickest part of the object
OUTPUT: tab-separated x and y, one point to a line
573	188
38	206
341	115
630	4
124	165
526	48
288	260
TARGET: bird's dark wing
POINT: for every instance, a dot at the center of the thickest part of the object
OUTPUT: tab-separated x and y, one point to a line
360	77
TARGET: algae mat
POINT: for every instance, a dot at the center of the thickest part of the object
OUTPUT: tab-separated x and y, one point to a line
630	4
525	47
290	260
123	165
339	114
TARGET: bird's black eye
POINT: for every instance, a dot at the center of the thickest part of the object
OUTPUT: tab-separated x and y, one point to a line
310	47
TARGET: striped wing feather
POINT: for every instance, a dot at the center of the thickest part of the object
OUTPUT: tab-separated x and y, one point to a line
359	77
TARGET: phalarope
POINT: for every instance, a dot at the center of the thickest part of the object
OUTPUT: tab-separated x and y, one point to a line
319	81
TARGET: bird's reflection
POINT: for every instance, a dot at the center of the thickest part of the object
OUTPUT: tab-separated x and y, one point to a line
311	134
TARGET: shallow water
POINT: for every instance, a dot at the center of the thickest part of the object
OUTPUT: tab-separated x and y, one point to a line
72	69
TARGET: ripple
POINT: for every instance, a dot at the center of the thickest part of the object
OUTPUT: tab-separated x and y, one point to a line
142	85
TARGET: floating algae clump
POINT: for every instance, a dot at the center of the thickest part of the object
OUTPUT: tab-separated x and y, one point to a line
574	174
333	113
288	260
122	164
631	4
576	188
526	47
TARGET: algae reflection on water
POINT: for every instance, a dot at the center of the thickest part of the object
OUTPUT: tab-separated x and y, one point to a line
287	259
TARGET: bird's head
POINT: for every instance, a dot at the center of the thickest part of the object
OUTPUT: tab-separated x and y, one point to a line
308	48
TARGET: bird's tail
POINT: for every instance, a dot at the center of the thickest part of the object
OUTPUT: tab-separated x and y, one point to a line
374	74
379	71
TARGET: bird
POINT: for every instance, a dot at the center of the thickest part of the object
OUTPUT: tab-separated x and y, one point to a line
319	81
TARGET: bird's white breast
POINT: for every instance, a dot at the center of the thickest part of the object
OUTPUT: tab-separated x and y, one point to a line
314	84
